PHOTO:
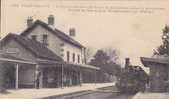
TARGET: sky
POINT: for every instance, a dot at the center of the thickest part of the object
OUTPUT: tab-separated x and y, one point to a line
134	35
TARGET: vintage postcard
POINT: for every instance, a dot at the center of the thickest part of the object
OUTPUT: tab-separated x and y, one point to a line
84	49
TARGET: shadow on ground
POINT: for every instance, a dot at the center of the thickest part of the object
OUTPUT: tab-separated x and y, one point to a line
4	91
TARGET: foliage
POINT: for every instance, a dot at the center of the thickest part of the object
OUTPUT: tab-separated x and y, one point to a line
113	54
164	48
107	66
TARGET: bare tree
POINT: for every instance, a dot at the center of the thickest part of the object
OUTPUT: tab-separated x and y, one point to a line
88	54
113	54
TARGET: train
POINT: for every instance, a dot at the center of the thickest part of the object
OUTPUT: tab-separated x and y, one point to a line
132	80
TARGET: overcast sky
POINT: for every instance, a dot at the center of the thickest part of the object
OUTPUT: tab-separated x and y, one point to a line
134	35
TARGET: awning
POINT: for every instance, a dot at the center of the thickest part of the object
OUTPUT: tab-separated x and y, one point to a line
146	61
67	64
84	66
9	58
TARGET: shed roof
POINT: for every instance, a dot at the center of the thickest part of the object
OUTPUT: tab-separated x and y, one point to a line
68	64
35	47
146	61
9	58
85	66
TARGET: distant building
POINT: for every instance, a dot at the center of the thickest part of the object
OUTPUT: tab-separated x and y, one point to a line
159	73
50	58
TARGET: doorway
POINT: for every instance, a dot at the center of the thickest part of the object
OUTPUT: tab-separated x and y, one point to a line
9	75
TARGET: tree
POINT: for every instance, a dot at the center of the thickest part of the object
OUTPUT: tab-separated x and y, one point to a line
164	48
107	67
88	54
113	68
100	59
113	54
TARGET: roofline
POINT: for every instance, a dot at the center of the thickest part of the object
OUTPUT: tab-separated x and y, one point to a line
26	32
145	60
27	48
84	66
66	63
17	61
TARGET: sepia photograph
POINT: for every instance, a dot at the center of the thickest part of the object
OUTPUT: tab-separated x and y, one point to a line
84	49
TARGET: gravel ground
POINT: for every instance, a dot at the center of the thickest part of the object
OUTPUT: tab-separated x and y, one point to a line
101	93
151	96
123	97
45	92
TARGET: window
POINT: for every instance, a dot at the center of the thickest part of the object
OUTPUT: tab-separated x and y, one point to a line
68	56
34	37
45	39
78	58
73	57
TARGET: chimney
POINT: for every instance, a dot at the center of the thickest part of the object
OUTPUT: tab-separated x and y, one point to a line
127	62
29	21
72	32
51	20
